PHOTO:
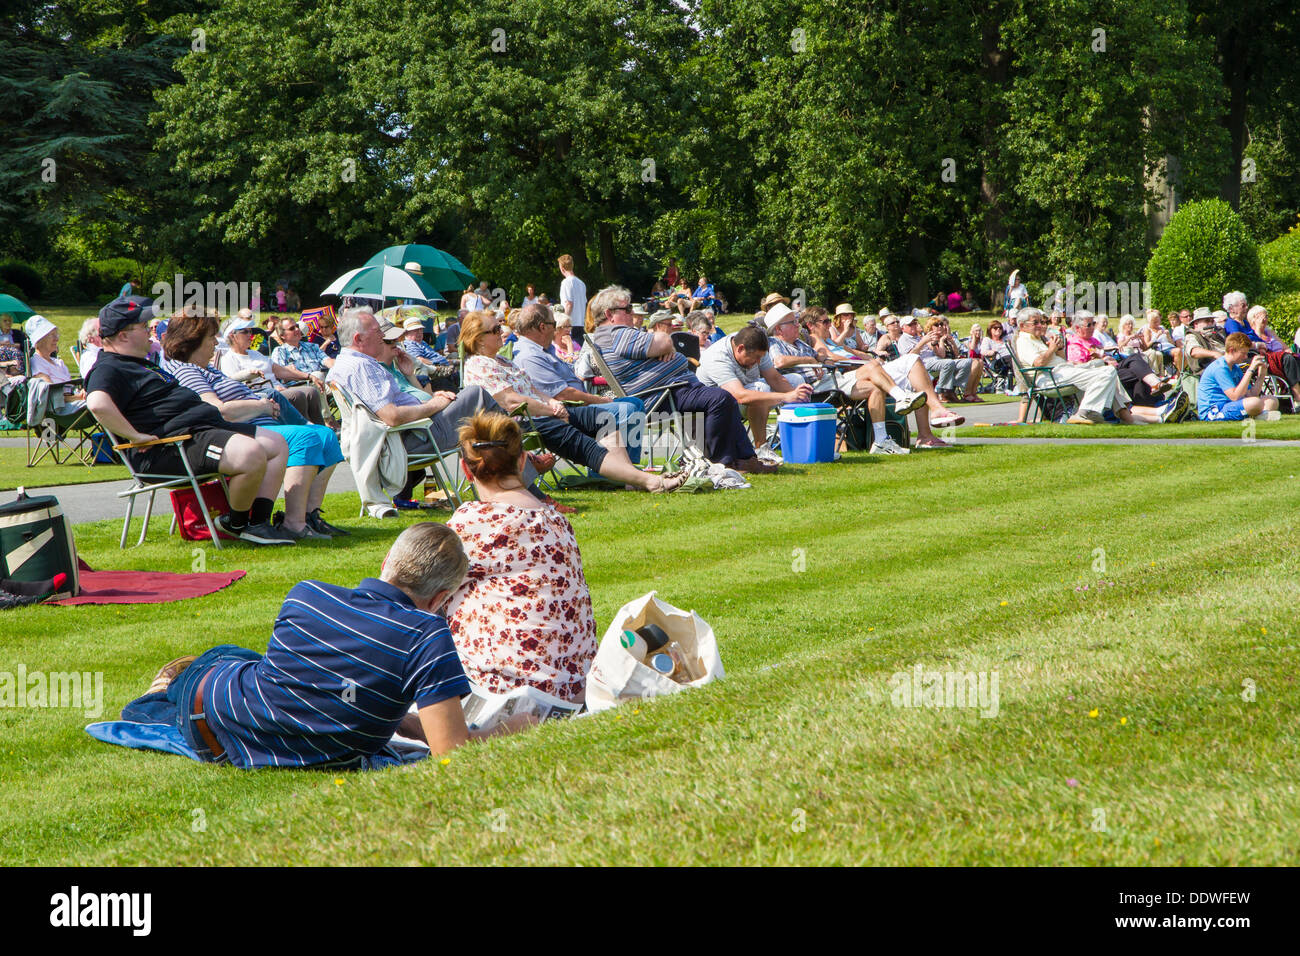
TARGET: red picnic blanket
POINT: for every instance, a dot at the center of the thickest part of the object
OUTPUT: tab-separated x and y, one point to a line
146	587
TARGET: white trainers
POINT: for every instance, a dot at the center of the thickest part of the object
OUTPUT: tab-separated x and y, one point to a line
908	402
888	447
1270	416
767	456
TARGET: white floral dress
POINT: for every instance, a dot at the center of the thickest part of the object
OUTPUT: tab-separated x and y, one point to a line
523	614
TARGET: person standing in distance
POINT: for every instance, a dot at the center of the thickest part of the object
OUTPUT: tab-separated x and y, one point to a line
573	298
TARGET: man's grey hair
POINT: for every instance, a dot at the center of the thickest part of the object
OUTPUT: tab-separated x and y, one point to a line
1233	298
1030	313
350	324
610	297
426	558
530	318
698	321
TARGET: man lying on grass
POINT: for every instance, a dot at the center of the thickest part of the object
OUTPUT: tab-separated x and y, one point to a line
341	671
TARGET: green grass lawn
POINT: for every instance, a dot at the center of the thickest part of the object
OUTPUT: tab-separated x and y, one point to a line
1123	736
1288	429
15	473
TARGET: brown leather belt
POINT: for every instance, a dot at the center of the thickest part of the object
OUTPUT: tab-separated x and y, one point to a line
198	717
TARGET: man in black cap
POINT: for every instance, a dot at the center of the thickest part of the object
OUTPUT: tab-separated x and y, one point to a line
138	402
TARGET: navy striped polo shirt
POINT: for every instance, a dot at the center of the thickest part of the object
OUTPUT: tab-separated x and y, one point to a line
342	668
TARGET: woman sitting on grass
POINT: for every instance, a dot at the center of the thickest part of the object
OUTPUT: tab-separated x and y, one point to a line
313	449
585	434
523	614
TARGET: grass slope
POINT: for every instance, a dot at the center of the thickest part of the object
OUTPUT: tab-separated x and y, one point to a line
1125	698
1288	429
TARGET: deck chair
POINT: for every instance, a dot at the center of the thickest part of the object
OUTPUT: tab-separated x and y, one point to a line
659	401
1048	399
146	483
438	460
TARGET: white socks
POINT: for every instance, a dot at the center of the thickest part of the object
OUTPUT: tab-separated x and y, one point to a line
878	432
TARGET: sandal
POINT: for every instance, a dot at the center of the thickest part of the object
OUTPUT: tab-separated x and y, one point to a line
668	483
973	398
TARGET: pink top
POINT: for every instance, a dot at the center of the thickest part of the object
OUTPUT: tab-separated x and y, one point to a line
523	614
954	301
1077	348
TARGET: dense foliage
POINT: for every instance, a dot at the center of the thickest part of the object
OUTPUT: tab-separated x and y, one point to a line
876	150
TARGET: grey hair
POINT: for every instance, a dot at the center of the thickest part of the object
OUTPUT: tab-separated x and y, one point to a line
88	328
1255	312
1081	319
699	321
1028	313
426	558
350	324
1233	298
610	297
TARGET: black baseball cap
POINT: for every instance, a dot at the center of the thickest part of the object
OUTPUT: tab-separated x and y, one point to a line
122	312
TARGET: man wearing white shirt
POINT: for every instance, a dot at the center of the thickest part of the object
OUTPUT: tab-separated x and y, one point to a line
573	298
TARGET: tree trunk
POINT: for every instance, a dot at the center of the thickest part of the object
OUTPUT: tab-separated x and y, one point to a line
1236	76
608	263
996	64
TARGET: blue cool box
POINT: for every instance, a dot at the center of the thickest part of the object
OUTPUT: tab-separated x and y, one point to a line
807	432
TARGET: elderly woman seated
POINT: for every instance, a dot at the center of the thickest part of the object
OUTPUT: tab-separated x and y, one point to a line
1265	341
1100	385
1143	385
313	449
248	365
586	434
12	341
523	614
47	365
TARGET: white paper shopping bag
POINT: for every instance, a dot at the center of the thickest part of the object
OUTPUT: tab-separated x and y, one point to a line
616	675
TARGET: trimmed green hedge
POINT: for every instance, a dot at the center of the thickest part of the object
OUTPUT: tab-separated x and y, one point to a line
1203	254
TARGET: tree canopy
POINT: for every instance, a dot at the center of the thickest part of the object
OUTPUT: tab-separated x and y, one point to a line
876	150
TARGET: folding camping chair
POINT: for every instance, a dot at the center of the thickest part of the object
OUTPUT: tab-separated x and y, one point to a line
1046	396
56	431
437	459
149	483
659	401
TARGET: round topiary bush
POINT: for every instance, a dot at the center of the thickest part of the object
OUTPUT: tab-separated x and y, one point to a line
1203	254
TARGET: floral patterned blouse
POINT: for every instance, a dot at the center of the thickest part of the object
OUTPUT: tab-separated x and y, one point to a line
495	374
523	614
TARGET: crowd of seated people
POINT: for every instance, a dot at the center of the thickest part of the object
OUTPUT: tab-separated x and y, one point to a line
498	597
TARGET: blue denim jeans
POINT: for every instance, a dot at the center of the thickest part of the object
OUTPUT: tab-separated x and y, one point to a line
181	691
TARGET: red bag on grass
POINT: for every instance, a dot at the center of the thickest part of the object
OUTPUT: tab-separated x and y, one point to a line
188	515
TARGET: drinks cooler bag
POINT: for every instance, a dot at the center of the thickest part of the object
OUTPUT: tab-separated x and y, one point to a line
36	541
